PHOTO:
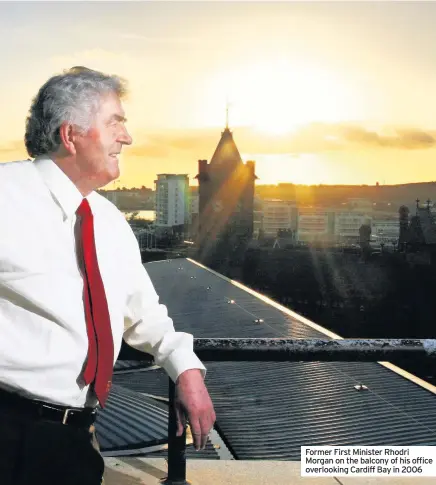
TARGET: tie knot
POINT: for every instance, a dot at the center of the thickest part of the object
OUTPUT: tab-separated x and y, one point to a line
84	209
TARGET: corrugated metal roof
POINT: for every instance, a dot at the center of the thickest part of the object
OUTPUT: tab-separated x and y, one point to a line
132	423
154	383
267	410
209	306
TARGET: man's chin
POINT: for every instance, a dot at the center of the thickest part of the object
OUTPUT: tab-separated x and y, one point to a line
113	172
109	178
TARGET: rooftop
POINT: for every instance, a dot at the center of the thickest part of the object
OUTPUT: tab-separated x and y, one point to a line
226	152
265	410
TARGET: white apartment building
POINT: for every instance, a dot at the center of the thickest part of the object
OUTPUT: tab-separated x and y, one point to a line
172	195
313	225
275	214
385	230
347	225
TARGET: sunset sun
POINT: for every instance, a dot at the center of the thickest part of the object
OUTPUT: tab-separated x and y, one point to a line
277	96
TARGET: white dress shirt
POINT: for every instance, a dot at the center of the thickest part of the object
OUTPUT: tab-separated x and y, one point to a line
43	336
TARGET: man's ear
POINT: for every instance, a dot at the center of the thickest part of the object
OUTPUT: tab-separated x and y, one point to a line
67	135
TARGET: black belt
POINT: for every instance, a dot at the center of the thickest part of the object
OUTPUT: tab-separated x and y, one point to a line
78	417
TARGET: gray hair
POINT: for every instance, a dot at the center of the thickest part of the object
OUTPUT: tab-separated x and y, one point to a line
73	97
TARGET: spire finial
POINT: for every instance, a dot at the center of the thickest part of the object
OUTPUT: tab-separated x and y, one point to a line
227	113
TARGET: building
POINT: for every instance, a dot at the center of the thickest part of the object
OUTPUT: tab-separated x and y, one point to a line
172	209
275	214
386	231
194	201
418	235
347	225
226	194
193	213
130	199
315	225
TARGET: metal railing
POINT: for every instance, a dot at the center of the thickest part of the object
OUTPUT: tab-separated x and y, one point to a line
279	350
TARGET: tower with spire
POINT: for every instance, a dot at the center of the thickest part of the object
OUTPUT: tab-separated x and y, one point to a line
226	195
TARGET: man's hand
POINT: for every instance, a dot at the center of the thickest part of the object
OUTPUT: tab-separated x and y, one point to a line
192	401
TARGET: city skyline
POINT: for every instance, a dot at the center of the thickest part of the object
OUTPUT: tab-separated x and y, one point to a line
331	93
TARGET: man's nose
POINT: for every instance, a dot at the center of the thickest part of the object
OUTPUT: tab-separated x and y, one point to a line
125	138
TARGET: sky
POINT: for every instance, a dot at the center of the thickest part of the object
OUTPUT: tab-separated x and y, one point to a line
317	92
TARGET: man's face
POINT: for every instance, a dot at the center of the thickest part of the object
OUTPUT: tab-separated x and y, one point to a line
97	151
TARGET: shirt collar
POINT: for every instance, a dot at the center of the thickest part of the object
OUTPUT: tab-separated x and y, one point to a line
65	192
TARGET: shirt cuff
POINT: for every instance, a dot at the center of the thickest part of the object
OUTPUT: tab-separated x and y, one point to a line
181	360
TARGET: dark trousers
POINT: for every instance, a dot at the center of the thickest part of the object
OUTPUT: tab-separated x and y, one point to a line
39	452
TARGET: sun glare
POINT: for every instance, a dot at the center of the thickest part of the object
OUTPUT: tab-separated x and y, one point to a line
276	97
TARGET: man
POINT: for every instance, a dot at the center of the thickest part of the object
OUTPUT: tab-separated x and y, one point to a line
72	286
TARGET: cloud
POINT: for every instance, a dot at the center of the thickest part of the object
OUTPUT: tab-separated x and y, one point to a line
198	143
416	139
358	134
408	139
201	143
312	138
323	137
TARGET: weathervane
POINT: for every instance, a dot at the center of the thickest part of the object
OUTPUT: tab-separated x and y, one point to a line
227	113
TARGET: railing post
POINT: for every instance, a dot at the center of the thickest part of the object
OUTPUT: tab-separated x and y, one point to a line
176	446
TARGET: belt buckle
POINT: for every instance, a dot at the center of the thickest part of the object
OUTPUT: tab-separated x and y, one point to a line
65	418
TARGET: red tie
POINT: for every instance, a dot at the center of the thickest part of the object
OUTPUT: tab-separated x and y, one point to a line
100	363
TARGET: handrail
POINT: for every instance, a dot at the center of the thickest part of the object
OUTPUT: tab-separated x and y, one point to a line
311	349
278	350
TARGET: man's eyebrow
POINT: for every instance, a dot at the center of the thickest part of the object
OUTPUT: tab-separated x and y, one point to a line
118	118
